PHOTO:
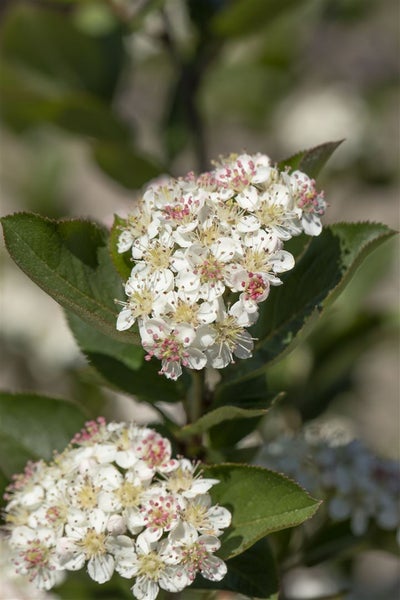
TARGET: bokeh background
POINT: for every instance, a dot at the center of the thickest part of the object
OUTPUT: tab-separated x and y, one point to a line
99	96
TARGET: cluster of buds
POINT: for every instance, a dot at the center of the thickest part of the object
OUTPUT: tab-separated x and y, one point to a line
206	250
356	484
115	500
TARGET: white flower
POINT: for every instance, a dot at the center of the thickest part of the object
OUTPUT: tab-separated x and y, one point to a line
196	553
311	203
186	480
230	339
91	543
205	517
35	555
110	502
172	345
152	568
200	231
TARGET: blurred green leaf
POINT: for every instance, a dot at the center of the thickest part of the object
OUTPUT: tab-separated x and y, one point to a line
312	160
32	427
261	501
242	17
253	573
87	116
70	261
318	277
122	261
144	383
251	395
91	340
28	102
220	415
123	164
47	44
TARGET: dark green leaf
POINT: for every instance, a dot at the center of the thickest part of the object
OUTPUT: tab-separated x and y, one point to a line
32	427
311	161
124	164
87	116
221	415
123	262
320	275
26	102
91	341
253	573
47	44
261	501
70	261
251	394
144	383
242	17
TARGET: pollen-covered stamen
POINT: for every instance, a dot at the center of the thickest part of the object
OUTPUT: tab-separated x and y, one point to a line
140	303
161	513
257	261
271	214
196	514
92	431
229	212
154	450
185	312
93	543
151	566
311	201
138	224
193	557
86	495
237	176
182	479
129	494
210	270
57	515
255	288
168	349
36	556
22	480
177	212
228	332
157	257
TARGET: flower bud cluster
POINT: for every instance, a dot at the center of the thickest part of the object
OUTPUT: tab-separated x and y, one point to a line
206	250
116	500
356	484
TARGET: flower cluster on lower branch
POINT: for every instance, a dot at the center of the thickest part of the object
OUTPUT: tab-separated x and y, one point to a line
357	484
206	250
116	500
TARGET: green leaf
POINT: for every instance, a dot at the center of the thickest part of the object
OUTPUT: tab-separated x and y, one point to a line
251	395
91	341
122	261
27	101
144	383
261	501
253	573
87	116
70	261
318	277
32	427
243	17
122	163
220	415
47	44
311	161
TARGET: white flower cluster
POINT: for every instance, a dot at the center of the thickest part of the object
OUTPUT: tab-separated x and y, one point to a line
356	484
115	500
206	250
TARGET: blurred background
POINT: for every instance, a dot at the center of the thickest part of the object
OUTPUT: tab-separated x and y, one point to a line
100	96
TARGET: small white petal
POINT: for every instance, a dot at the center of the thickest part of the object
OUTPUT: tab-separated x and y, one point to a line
101	568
